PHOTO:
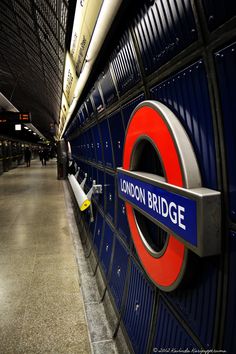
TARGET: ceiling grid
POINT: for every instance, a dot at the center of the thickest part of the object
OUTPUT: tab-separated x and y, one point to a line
32	56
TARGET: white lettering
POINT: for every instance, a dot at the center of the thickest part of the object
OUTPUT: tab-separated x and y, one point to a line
176	213
159	203
142	196
181	217
134	191
154	203
149	200
173	216
164	203
167	210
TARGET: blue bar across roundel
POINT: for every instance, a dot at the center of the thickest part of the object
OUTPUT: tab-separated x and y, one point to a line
176	213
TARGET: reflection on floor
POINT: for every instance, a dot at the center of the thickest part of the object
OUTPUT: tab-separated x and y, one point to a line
41	305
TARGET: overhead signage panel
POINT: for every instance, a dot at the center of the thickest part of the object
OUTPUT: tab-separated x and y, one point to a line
15	117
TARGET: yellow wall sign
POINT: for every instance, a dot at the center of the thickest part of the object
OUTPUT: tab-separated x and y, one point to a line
86	15
70	79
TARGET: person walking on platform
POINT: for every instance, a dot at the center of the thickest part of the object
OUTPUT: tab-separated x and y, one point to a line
41	156
27	156
44	157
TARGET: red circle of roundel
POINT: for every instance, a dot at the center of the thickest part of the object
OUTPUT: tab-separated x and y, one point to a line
166	270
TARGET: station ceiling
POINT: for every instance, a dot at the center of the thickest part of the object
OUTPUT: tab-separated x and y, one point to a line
35	36
33	40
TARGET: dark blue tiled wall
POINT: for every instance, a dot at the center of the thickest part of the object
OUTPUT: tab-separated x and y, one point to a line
225	63
230	323
117	137
97	239
169	333
217	12
125	65
110	196
186	93
107	147
149	62
163	30
119	272
122	222
106	248
139	307
108	87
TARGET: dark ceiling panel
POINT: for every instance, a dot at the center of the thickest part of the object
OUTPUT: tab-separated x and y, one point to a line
32	55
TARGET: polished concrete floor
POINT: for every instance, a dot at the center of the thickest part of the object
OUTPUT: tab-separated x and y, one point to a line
41	306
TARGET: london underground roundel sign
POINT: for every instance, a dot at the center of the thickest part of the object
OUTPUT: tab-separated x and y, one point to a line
176	203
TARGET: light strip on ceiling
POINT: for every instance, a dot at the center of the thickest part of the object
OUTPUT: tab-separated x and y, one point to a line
35	130
104	21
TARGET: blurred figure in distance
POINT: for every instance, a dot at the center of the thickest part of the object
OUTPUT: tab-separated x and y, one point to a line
27	156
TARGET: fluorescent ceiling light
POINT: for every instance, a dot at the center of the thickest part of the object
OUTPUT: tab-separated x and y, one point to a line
31	127
17	126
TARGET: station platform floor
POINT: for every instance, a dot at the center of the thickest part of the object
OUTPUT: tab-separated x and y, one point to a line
43	308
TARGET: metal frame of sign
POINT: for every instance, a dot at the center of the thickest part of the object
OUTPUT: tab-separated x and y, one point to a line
154	121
